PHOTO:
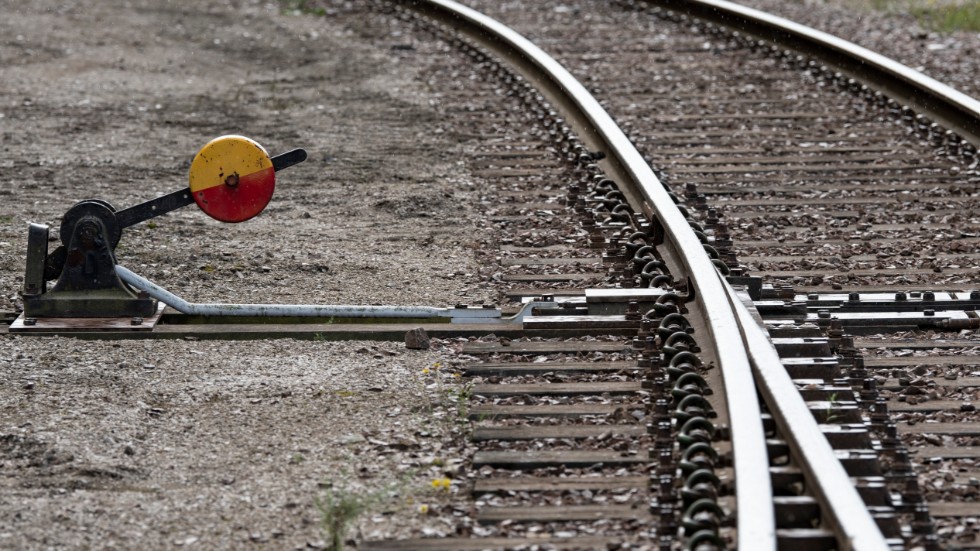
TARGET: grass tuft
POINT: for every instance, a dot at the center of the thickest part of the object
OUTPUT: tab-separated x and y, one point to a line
939	15
300	7
339	510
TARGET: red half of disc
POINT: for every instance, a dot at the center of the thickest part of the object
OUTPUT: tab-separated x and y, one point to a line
241	202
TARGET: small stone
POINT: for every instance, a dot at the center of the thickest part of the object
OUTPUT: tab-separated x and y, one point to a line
149	366
967	406
417	339
352	439
129	450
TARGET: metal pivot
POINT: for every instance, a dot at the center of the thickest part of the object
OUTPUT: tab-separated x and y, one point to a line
88	286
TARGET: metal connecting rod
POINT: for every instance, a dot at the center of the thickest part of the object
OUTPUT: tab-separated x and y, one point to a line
454	315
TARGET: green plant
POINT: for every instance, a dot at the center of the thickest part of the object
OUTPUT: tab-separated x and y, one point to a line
833	409
939	15
948	18
461	395
341	507
301	7
339	510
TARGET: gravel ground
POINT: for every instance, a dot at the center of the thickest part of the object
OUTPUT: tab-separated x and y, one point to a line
226	445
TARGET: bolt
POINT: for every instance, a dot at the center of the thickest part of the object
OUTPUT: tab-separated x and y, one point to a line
853	297
929	312
823	314
232	180
633	310
30	321
136	320
900	297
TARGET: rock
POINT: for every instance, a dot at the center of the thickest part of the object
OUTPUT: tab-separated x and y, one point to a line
417	339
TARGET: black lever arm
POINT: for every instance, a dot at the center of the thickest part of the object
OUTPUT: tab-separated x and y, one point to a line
182	197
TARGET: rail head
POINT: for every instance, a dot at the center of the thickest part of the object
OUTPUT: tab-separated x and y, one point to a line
945	105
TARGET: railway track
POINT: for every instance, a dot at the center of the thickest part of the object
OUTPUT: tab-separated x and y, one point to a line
701	153
621	413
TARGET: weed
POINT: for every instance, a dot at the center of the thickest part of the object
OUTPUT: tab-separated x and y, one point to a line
461	396
339	510
833	412
6	219
298	7
950	18
341	507
940	15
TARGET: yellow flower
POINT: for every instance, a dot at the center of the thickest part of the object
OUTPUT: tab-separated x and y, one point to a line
426	371
424	509
441	483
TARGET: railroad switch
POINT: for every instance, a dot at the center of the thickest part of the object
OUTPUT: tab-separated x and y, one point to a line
232	179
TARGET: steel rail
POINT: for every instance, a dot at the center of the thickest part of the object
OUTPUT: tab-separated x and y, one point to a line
952	109
728	327
753	487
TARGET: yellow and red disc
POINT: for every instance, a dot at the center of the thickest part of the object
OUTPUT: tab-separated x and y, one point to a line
232	178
